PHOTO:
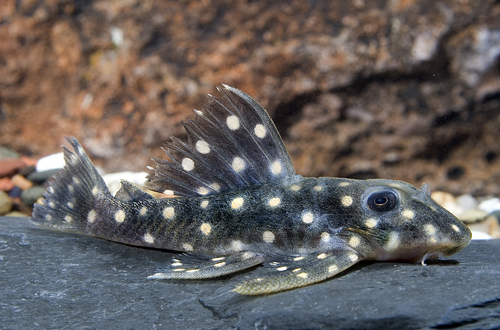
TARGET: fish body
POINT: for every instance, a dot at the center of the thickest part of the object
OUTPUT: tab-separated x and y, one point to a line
240	204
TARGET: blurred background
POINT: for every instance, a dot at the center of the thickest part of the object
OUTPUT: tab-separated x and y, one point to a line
397	89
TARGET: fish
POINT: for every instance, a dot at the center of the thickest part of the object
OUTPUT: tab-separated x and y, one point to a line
239	203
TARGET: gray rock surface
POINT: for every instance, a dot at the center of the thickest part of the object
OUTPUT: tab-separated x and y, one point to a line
57	280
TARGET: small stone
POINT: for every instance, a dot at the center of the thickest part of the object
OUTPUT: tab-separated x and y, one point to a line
41	177
9	166
30	196
21	182
471	216
489	226
25	171
448	201
467	202
8	153
51	162
113	180
5	203
15	192
6	184
442	197
490	205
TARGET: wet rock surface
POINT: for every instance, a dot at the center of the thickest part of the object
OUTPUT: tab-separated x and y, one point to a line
66	281
395	89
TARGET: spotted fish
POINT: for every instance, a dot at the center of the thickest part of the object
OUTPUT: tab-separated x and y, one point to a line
240	204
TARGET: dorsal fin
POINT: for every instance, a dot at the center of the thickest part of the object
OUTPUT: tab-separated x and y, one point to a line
232	143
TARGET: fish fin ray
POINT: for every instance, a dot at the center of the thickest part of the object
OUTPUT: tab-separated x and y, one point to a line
232	144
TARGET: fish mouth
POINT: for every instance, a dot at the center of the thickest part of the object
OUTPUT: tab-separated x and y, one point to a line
445	252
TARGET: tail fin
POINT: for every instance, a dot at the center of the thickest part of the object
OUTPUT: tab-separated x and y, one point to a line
71	193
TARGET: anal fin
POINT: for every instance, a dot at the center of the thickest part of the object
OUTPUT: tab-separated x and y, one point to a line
195	266
299	271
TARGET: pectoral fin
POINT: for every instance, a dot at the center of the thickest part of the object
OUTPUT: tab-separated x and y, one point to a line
299	271
195	266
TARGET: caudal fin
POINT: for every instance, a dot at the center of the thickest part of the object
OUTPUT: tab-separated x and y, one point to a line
72	193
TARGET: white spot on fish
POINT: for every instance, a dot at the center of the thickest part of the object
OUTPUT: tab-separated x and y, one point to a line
307	217
91	216
276	167
48	217
238	164
354	241
143	210
120	216
346	201
247	255
333	268
215	186
70	188
318	188
393	241
202	191
429	229
325	237
260	131
75	180
322	256
187	164
344	184
95	190
237	203
192	270
237	245
68	218
353	257
273	202
233	123
148	238
268	236
407	213
202	147
220	264
206	228
371	222
455	228
168	212
187	247
296	270
295	187
282	268
218	258
70	205
204	204
298	258
302	275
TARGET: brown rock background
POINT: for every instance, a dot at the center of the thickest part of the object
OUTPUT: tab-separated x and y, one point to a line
400	89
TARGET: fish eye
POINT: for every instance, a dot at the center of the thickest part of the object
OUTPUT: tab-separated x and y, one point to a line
382	201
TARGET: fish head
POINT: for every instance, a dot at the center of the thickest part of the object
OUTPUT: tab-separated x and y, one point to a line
405	223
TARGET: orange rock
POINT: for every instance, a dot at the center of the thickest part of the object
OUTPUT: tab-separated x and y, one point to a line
6	184
21	182
29	161
8	166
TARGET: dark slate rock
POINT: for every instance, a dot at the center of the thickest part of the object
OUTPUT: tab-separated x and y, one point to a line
42	176
66	281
